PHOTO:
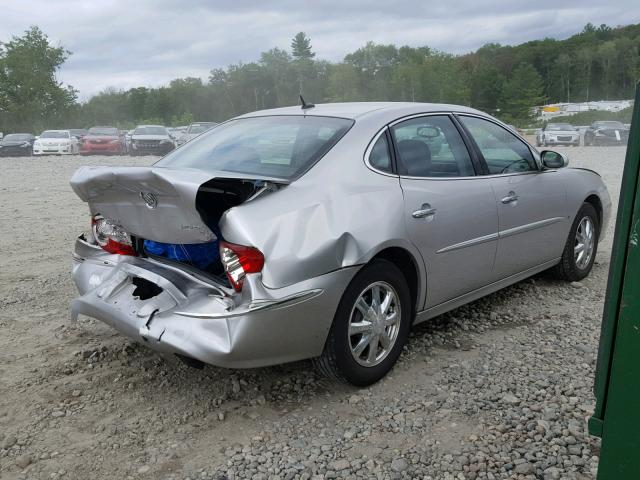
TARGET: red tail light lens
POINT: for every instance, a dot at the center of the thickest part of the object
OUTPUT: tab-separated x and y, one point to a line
111	236
238	261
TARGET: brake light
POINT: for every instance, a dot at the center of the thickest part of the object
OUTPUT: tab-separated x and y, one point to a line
111	236
238	261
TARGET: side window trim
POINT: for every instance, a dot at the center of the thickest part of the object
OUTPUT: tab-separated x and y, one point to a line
475	160
479	164
384	132
534	154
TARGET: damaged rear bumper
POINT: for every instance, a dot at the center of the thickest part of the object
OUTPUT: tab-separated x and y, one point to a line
173	311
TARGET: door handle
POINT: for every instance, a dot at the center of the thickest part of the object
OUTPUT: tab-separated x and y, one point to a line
510	198
425	211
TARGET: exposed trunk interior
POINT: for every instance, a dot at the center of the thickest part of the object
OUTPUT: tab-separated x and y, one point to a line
172	214
214	197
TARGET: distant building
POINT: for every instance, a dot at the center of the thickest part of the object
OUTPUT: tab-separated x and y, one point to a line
547	112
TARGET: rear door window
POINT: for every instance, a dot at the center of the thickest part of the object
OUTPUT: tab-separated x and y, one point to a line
431	146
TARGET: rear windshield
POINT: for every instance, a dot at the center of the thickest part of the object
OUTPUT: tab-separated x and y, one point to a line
276	146
560	126
54	134
106	131
200	128
150	131
17	137
610	124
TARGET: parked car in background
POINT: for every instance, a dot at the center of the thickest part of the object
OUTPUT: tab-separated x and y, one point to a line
102	140
17	145
606	133
55	142
251	245
79	133
176	132
151	140
558	134
194	130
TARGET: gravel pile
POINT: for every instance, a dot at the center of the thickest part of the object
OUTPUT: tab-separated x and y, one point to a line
497	389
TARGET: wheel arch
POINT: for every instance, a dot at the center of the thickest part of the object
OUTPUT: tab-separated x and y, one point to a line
594	200
410	268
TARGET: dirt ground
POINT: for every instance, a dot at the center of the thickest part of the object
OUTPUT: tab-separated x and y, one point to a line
497	389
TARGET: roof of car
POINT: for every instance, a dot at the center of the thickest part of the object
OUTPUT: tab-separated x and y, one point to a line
144	126
355	110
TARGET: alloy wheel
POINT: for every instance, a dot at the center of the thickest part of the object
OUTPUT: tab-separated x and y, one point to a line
374	324
584	243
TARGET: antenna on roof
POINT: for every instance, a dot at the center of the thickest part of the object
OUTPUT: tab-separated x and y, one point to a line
305	105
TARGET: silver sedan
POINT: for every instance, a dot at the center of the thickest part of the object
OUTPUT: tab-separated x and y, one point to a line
326	232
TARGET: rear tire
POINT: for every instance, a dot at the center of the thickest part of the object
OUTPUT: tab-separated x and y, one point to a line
583	237
342	358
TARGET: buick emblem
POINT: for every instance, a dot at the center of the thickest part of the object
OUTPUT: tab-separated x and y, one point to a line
149	199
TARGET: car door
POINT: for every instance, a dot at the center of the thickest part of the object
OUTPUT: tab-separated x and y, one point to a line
450	212
531	202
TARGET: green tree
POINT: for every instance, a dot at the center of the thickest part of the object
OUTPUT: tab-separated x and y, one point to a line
522	91
31	98
486	87
301	47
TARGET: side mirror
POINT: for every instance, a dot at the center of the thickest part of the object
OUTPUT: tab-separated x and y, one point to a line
551	159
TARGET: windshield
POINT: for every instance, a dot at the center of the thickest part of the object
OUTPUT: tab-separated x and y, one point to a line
609	125
54	134
103	131
560	126
17	137
199	128
150	131
276	146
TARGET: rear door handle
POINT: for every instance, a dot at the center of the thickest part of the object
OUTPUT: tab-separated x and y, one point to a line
425	211
510	198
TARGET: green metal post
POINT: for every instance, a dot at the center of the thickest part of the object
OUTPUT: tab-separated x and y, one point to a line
617	415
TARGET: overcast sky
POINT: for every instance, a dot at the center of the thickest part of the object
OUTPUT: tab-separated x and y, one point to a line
122	44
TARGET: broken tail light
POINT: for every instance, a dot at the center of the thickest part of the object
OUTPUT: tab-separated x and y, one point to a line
238	261
111	236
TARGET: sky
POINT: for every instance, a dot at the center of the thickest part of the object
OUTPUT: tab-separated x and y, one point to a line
124	44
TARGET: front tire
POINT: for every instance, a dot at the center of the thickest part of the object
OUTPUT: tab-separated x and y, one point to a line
581	247
370	326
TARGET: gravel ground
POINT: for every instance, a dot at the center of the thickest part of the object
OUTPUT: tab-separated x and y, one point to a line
500	388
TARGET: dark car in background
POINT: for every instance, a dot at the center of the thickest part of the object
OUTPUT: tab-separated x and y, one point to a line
102	140
17	145
606	133
151	140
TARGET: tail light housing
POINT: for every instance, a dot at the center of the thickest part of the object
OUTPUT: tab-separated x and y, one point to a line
238	261
111	236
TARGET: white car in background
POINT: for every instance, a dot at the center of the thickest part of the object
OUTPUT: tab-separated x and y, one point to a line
56	142
558	134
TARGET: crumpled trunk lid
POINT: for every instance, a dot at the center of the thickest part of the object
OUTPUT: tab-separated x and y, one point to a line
154	203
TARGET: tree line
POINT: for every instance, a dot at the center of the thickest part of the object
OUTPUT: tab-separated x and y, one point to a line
599	63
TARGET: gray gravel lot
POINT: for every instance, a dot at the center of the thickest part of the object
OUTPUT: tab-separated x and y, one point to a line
500	388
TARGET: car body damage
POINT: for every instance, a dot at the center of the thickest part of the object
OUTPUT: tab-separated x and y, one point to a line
198	318
157	204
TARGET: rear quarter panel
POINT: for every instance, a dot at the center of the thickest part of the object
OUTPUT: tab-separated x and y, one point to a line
338	214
